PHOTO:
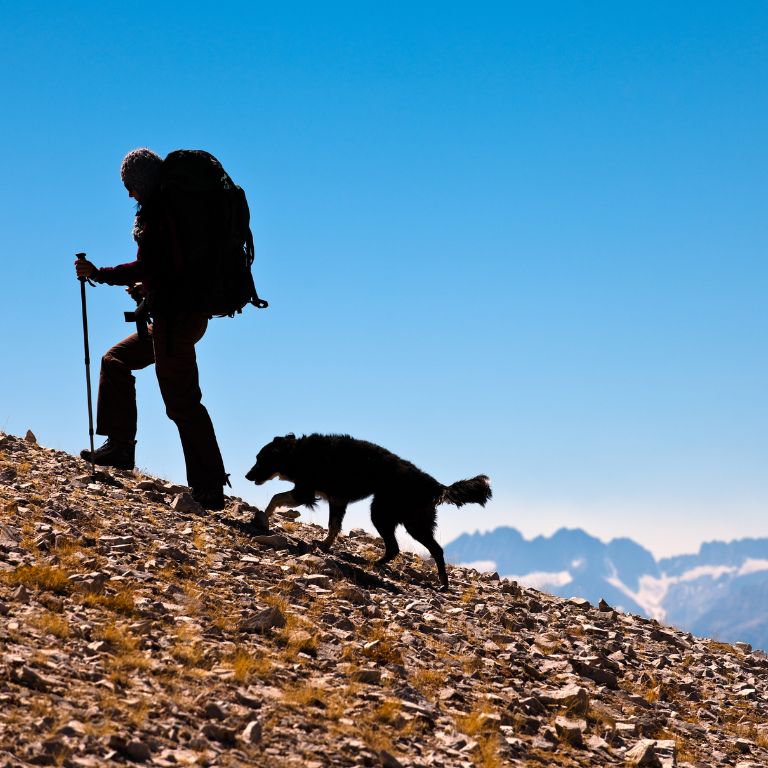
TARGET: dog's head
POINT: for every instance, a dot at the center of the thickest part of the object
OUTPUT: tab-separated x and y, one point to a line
273	459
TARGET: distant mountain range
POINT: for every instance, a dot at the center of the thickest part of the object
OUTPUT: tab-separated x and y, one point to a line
721	592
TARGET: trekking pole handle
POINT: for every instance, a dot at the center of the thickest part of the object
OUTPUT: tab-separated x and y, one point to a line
81	257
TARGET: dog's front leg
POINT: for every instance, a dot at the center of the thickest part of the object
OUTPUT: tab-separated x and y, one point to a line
285	499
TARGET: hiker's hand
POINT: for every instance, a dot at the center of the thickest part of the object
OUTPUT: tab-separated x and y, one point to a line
85	269
136	291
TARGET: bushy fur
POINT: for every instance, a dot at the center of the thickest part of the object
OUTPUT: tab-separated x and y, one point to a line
343	469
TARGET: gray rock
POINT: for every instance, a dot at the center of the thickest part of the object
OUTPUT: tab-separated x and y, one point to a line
573	697
388	760
263	621
260	521
221	733
247	698
666	752
367	676
598	674
93	582
317	580
214	711
32	679
252	733
174	553
643	753
571	731
274	541
21	595
184	503
138	751
7	475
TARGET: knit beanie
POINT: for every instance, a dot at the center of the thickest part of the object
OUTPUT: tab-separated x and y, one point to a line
140	172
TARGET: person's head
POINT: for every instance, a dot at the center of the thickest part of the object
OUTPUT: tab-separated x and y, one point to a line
140	172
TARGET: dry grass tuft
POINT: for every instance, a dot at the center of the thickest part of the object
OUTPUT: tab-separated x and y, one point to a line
245	665
429	681
389	712
43	577
484	731
375	738
306	696
121	601
118	637
53	624
187	647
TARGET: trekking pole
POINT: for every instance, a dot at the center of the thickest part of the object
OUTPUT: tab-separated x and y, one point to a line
87	364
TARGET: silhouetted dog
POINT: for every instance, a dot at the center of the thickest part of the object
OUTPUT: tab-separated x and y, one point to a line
342	469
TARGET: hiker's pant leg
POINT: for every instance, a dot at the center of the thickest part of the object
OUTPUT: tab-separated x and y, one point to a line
116	406
176	368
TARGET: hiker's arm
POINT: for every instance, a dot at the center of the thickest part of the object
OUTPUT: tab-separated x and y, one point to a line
122	274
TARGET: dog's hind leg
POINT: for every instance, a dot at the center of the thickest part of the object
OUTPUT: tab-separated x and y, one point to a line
336	511
422	531
383	519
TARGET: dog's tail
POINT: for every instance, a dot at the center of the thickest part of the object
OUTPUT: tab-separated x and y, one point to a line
476	490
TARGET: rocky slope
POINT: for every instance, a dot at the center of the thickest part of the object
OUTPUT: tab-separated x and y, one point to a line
133	628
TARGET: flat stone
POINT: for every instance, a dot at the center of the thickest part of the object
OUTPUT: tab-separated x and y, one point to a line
643	753
273	540
573	697
263	621
184	503
598	674
367	676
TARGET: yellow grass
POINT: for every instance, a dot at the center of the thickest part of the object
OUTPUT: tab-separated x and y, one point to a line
485	732
119	602
44	577
245	665
53	624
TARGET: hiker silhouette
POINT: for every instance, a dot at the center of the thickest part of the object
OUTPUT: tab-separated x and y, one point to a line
156	278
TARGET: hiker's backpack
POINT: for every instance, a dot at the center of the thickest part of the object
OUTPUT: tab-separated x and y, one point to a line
210	229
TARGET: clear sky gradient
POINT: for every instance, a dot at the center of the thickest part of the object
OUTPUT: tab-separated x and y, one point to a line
525	239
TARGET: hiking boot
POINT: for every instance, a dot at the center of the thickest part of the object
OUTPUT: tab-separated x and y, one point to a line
114	453
209	498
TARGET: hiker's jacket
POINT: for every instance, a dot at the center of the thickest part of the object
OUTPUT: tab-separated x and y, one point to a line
158	263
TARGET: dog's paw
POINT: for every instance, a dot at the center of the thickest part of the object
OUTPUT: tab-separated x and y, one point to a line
321	545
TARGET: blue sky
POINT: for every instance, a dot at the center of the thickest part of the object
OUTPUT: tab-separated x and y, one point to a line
521	239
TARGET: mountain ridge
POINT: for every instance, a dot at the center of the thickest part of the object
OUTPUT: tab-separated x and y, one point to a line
709	592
